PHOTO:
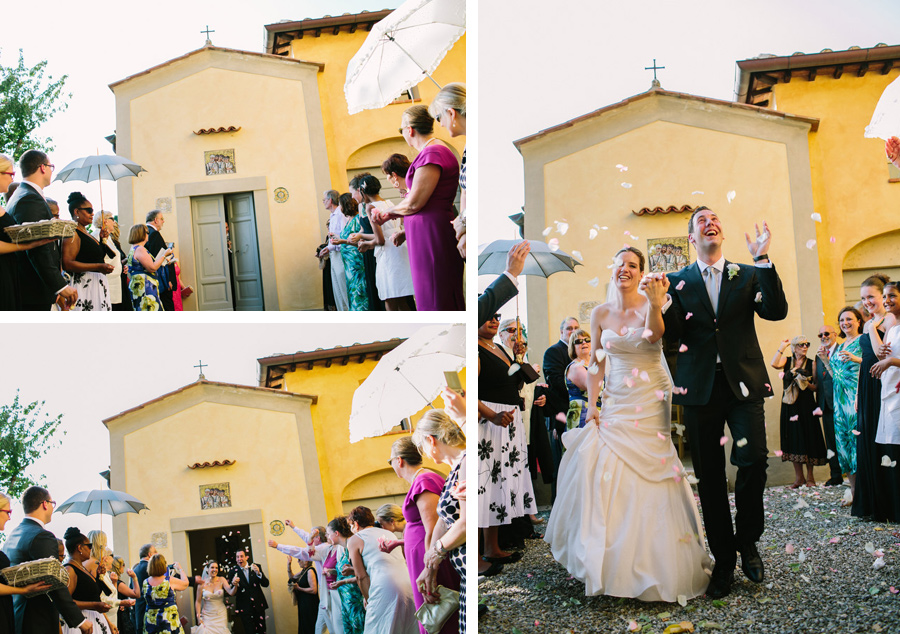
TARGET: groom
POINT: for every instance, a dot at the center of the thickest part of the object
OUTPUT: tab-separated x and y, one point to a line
723	377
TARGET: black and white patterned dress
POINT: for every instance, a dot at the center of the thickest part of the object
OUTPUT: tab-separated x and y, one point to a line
448	511
504	481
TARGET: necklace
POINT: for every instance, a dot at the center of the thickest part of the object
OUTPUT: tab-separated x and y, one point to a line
488	343
429	141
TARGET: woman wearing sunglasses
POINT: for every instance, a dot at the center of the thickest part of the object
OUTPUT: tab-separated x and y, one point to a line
802	442
576	378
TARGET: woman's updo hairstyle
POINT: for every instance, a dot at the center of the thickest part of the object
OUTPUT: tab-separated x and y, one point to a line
369	185
634	250
74	538
418	119
437	424
75	199
450	96
341	526
405	448
876	280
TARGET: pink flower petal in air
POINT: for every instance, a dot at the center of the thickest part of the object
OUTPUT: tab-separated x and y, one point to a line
833	239
647	333
778	452
688	316
781	375
660	435
794	417
723	440
817	411
635	372
660	395
854	432
683	348
680	285
561	417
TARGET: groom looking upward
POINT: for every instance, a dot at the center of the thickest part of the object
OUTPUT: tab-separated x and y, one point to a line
723	377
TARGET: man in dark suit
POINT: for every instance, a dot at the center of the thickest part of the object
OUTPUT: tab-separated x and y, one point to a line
825	399
155	244
140	572
41	282
250	601
29	541
556	360
505	287
723	378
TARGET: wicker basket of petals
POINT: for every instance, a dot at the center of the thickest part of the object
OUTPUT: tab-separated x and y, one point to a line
48	570
31	231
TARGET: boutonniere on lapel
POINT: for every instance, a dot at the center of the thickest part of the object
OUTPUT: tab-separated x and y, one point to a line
733	270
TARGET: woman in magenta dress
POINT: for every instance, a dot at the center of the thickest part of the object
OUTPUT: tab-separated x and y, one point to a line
433	178
420	511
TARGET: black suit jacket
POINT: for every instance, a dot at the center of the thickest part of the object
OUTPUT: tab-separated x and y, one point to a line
824	386
250	596
155	244
730	332
39	272
39	614
494	296
556	360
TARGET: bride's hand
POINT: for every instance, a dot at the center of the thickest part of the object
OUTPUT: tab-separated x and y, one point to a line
592	414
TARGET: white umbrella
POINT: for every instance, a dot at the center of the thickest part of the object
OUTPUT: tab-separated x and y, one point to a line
407	379
885	121
107	167
401	50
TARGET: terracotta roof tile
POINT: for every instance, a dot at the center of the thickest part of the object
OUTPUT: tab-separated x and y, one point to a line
230	128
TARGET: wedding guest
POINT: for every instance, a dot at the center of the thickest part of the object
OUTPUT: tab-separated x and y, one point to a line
420	511
82	586
105	223
392	274
441	439
7	619
83	256
304	590
845	377
159	594
556	360
801	437
140	571
354	267
382	577
825	399
142	269
125	617
336	222
364	240
576	377
109	583
437	268
449	109
505	286
870	499
395	168
390	518
353	614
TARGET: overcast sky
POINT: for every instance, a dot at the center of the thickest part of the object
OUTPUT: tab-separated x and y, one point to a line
90	372
100	42
552	64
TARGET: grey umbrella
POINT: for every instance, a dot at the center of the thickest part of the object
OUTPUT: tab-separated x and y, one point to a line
107	167
102	501
541	261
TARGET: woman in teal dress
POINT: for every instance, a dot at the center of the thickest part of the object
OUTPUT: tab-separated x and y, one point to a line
354	267
353	614
142	281
845	378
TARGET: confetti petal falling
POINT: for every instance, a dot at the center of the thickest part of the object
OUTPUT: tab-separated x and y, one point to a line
730	196
626	185
546	232
744	390
594	282
554	244
816	216
810	244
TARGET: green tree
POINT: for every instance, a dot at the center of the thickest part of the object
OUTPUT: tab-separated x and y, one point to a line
27	101
26	434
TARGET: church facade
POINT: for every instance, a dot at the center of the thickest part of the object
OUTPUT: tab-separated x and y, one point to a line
239	147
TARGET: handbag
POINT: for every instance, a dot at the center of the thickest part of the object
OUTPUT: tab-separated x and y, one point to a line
432	616
186	292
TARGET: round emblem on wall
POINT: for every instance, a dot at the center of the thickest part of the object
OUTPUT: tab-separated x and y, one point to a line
276	527
281	195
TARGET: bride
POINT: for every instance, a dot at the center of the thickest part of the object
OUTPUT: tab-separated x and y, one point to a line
212	615
625	521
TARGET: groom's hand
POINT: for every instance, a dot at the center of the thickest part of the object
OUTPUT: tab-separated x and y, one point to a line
759	246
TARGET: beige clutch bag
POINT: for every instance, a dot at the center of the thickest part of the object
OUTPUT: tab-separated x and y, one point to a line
432	616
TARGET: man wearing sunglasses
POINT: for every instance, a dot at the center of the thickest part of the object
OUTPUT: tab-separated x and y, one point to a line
825	397
28	541
41	282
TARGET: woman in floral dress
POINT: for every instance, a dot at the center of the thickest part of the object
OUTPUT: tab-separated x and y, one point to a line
845	378
142	280
159	593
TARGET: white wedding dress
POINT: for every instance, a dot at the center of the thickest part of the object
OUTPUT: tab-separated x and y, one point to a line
625	521
213	613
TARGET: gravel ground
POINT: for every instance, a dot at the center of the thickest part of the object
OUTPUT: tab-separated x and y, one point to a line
827	583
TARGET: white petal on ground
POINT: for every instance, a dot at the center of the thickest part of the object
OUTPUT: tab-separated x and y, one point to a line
682	600
878	563
789	548
801	504
870	547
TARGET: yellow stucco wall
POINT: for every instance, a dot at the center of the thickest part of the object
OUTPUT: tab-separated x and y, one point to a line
344	464
346	133
849	173
172	154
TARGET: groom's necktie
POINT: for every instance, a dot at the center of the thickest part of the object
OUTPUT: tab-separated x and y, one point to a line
712	287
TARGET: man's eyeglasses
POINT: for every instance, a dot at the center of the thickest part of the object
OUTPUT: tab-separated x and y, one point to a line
51	503
824	335
511	331
50	165
578	342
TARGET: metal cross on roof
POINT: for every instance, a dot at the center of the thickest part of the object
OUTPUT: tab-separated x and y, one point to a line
208	41
654	68
201	366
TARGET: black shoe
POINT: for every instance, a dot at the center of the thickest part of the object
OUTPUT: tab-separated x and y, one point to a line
509	559
495	569
720	584
751	563
833	482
